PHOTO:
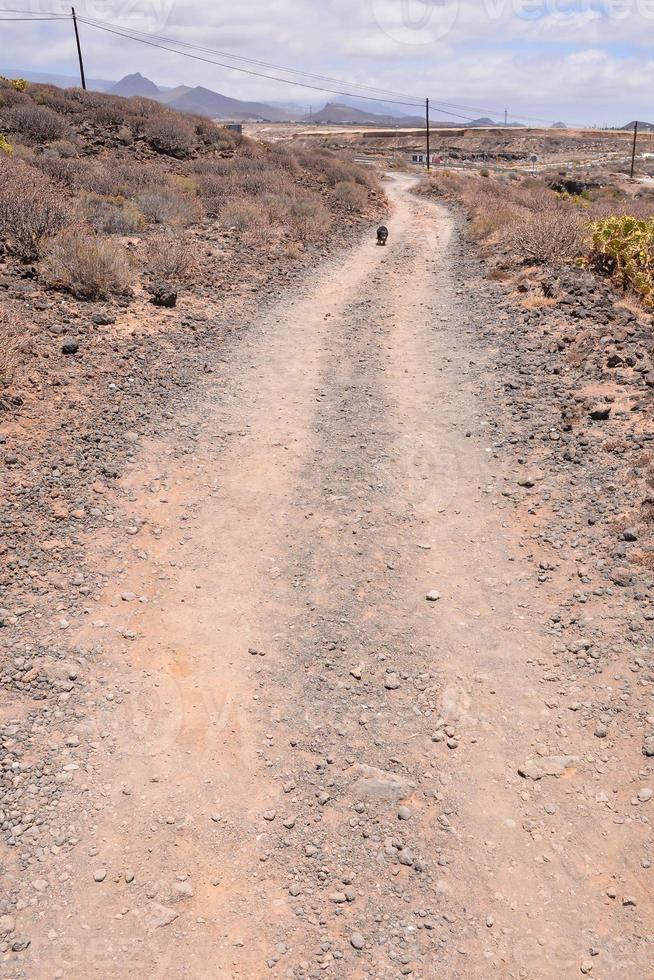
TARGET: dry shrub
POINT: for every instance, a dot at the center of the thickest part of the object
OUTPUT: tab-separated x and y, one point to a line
36	124
62	170
308	219
549	236
31	210
113	215
170	259
8	350
166	206
88	266
353	196
245	215
217	137
169	135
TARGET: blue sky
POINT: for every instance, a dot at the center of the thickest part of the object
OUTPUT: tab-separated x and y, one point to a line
583	61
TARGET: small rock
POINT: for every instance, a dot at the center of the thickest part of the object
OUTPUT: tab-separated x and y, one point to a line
433	596
357	941
69	346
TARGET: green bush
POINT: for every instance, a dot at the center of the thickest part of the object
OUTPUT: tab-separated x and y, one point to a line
623	246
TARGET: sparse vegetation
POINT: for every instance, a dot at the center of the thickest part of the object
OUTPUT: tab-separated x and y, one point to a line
113	215
623	247
170	259
87	167
168	206
540	222
88	266
548	236
352	195
8	351
31	210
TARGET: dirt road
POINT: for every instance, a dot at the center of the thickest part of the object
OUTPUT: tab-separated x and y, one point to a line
333	737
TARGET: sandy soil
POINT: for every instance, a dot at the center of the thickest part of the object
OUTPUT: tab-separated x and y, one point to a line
302	766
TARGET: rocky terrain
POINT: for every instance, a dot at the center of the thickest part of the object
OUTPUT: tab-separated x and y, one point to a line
327	622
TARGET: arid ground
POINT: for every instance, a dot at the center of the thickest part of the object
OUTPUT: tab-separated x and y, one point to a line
357	678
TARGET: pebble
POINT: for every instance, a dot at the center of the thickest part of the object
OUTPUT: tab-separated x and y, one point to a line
357	941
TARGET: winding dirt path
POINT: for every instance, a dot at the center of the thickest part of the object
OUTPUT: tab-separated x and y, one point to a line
308	769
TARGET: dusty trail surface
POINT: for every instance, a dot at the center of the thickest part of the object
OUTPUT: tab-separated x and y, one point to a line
303	766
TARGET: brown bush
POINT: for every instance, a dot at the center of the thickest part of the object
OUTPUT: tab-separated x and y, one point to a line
308	219
217	137
8	351
113	215
353	196
170	259
245	215
88	266
62	170
31	209
166	206
169	135
36	124
549	236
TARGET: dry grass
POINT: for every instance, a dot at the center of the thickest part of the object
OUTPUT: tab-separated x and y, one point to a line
548	236
88	266
170	260
9	359
353	196
31	209
113	215
168	206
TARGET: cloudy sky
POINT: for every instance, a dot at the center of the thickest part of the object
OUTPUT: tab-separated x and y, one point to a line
583	61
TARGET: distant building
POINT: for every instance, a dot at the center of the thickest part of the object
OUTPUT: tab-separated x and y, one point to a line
422	158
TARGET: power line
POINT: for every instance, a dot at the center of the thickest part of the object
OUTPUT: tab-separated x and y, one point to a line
261	64
172	45
246	71
31	20
415	101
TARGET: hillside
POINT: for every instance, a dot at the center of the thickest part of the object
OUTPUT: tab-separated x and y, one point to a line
205	102
135	84
336	112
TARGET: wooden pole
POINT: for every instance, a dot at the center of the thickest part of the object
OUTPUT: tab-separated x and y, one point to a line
633	149
427	122
79	49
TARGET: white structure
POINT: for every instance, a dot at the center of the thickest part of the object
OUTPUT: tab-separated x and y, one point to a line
422	158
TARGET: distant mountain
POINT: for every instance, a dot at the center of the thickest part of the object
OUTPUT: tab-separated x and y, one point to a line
61	81
205	102
199	100
338	112
168	95
135	84
644	127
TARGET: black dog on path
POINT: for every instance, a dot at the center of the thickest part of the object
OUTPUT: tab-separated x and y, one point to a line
382	235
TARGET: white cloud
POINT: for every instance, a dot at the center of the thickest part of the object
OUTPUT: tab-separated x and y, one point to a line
582	60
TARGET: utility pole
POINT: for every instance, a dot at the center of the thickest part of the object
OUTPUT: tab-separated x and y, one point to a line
633	150
506	116
79	49
427	122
